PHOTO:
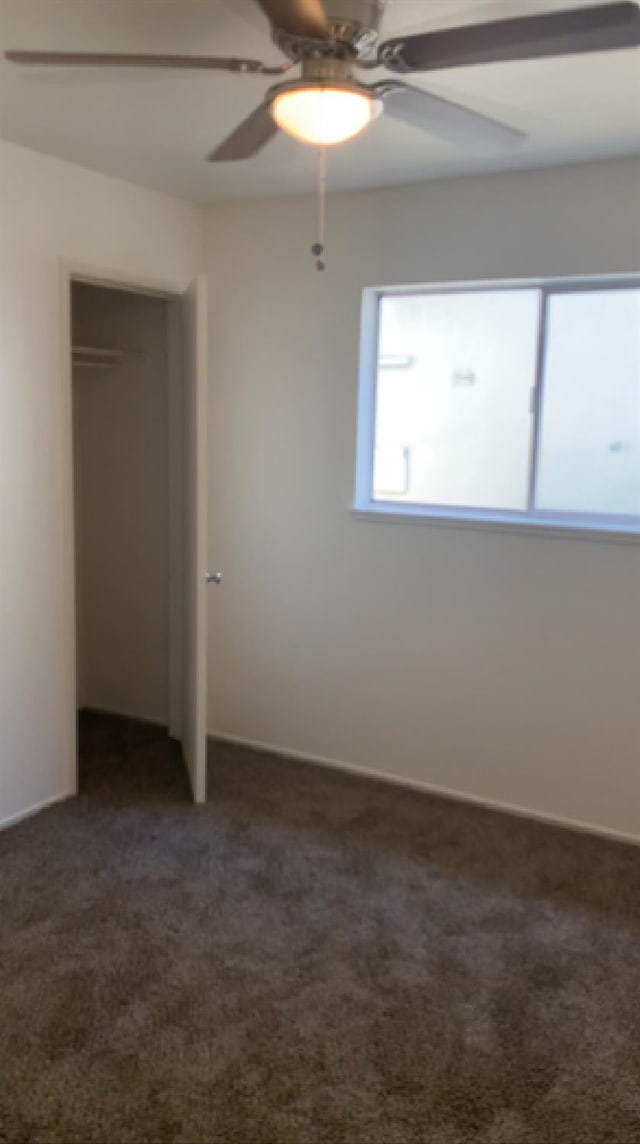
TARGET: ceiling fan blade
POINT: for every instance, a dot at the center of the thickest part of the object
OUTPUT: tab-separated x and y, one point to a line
131	60
247	139
298	17
579	30
449	121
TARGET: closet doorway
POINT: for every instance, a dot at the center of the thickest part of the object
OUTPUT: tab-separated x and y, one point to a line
137	413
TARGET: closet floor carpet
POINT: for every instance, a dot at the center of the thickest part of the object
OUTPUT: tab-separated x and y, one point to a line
310	957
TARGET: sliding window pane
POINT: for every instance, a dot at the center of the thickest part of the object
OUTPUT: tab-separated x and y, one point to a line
454	380
589	456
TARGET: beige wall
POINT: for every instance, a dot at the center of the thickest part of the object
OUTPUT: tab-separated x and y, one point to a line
121	481
500	666
51	210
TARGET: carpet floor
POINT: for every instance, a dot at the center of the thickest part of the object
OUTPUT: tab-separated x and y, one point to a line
311	958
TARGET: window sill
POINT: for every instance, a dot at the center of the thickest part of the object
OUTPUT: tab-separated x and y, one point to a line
388	513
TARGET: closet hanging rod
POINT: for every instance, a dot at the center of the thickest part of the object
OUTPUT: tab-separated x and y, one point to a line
84	363
103	352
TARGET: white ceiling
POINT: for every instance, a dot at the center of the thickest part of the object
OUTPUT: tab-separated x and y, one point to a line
155	128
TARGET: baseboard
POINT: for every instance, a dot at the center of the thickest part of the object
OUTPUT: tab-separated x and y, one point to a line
14	819
512	809
152	720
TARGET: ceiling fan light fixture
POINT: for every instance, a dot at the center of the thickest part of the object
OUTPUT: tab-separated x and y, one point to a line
323	115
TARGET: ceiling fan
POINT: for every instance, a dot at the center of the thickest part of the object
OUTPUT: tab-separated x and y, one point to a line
332	41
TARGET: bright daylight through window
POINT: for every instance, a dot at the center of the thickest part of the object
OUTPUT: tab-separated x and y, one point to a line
515	404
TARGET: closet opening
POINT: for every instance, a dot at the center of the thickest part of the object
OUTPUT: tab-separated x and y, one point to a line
128	550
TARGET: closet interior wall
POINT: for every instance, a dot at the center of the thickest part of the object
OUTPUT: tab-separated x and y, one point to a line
121	498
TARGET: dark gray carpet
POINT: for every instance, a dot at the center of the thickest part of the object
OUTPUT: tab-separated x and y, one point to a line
310	958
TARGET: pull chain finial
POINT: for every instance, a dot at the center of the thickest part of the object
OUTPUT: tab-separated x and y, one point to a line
318	247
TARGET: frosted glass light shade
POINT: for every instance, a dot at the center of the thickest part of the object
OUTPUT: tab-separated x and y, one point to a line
323	116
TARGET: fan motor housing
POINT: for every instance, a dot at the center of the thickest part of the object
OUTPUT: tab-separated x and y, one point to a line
352	19
354	24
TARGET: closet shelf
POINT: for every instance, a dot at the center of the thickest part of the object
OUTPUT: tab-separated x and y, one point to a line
97	351
98	357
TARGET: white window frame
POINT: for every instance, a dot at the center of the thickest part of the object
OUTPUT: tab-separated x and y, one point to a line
364	506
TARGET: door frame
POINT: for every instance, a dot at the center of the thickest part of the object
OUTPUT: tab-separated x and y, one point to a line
172	292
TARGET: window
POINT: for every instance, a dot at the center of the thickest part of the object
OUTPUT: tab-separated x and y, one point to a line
516	403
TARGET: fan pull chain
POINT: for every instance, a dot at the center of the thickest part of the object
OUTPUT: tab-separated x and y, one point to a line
318	247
